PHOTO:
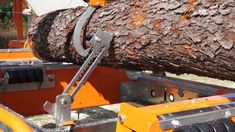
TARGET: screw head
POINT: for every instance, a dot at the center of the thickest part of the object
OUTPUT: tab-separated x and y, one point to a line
153	93
121	118
181	92
64	101
97	39
171	97
228	114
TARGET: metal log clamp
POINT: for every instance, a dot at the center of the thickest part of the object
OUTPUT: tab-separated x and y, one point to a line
100	44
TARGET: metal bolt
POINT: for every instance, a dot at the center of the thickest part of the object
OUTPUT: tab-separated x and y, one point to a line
64	101
50	78
176	123
153	93
181	92
171	97
97	39
121	118
227	114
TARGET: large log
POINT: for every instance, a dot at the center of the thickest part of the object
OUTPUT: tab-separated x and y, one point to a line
179	36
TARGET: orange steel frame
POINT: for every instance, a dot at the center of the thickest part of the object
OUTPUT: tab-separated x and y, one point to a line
18	7
97	2
17	56
144	119
14	122
102	88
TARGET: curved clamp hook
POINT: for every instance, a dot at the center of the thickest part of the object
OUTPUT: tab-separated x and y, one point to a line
78	29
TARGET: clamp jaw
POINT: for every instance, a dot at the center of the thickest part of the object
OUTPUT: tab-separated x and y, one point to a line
93	5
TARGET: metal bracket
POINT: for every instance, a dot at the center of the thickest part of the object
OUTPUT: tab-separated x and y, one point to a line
178	119
100	42
78	29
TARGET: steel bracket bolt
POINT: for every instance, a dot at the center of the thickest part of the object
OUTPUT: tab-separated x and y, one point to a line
97	39
64	101
121	118
227	114
181	92
153	93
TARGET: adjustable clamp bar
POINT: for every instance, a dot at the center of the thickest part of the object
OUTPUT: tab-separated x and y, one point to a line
61	109
101	42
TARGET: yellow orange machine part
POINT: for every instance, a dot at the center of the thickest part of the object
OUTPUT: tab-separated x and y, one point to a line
144	119
13	122
97	2
16	55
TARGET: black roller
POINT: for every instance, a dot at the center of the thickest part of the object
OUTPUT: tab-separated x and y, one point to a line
204	127
30	75
13	76
228	124
188	128
217	126
38	75
22	76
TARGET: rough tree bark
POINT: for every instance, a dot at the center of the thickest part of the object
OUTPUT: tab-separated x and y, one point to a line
180	36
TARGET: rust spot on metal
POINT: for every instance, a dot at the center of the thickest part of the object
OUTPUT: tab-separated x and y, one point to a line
230	36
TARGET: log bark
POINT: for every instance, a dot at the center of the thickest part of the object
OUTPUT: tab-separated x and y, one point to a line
179	36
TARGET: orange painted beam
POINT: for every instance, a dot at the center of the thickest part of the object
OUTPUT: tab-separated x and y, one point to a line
189	104
13	122
102	88
17	55
97	2
18	18
145	118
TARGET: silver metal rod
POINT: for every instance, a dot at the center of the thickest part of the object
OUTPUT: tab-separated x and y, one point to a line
87	74
79	73
15	50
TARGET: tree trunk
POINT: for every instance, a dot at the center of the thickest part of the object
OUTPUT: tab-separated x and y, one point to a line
179	36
